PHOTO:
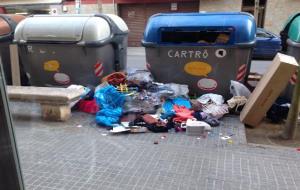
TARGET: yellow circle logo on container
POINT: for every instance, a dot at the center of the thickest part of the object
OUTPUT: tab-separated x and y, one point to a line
197	68
52	66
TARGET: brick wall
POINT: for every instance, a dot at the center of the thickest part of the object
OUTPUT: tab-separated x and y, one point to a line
109	8
277	13
87	8
220	5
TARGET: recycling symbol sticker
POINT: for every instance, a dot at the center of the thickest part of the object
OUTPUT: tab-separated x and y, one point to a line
220	53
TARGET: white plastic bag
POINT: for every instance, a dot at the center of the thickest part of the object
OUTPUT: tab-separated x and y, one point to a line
238	89
207	98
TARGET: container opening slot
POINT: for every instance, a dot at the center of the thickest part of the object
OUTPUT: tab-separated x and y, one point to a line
198	37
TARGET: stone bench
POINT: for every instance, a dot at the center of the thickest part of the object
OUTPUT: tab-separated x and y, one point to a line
55	102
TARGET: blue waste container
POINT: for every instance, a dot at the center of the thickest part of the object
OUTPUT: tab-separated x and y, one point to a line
267	45
202	50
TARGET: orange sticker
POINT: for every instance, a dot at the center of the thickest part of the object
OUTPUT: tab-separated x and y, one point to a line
51	66
197	68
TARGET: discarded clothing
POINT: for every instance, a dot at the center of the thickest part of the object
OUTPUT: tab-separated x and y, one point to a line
149	119
153	124
160	90
111	103
217	111
202	116
182	114
160	127
134	105
139	76
167	107
178	89
196	105
279	110
88	106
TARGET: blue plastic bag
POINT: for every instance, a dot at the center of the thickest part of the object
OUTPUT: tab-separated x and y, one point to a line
111	102
109	97
108	117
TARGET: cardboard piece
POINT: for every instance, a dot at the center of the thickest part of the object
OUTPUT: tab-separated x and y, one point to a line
268	89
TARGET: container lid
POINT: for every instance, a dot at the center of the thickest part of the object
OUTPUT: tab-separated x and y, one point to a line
294	30
63	28
242	24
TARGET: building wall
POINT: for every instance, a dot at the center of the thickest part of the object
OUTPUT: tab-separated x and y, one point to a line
109	8
85	8
220	5
277	13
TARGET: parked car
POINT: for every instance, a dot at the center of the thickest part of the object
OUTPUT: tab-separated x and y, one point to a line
267	44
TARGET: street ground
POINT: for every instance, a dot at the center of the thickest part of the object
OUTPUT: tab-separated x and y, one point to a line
77	155
268	133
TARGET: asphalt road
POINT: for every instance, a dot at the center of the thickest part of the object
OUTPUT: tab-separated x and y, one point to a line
136	59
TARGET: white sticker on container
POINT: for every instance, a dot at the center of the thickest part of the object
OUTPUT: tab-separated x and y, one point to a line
30	49
220	53
62	78
207	84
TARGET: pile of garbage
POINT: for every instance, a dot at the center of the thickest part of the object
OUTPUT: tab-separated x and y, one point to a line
133	102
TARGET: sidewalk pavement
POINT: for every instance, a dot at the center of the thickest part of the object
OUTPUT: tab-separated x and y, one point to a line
77	155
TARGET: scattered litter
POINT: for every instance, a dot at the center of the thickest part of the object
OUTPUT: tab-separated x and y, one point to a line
163	137
119	129
225	137
137	129
198	138
79	126
236	103
125	124
155	142
230	141
104	134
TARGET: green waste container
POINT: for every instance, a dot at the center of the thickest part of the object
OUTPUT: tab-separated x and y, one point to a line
290	36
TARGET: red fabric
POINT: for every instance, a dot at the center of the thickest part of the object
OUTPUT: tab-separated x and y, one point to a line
88	106
182	114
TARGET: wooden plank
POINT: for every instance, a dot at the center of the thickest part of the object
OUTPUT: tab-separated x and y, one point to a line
15	65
